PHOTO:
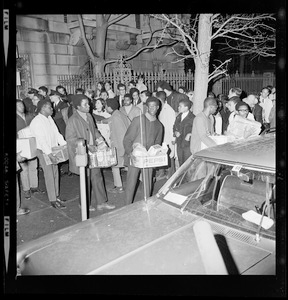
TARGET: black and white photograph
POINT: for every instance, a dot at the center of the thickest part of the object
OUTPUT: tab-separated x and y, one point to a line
146	149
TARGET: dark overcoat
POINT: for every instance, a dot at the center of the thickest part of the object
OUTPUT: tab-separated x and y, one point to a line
183	127
77	128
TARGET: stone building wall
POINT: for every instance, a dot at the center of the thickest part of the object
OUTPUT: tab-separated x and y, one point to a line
47	44
46	39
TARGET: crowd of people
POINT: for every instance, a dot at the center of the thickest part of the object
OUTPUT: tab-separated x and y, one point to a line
134	115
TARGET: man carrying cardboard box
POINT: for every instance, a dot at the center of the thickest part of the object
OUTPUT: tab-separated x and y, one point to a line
146	130
29	174
81	125
48	136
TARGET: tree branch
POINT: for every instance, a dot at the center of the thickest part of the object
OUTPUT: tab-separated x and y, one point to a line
83	34
117	19
142	49
107	17
219	70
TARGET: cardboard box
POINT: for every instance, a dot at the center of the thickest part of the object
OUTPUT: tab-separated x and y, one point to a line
61	152
102	158
25	133
105	132
27	146
243	128
218	139
149	161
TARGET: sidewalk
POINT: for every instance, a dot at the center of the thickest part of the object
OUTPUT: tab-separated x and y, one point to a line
44	219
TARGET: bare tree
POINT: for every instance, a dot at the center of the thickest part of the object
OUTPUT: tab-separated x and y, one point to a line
197	32
102	23
257	38
98	58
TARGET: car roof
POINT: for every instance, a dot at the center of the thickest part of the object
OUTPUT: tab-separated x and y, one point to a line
257	153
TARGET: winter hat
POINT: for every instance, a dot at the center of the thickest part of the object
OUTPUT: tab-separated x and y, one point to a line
113	103
76	99
53	92
32	91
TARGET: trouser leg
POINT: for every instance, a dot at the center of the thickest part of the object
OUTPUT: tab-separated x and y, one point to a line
180	154
97	182
56	179
117	177
24	176
33	172
132	177
147	182
50	172
171	170
186	153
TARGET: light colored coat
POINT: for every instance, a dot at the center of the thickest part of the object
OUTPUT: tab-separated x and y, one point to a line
201	129
167	117
134	112
118	124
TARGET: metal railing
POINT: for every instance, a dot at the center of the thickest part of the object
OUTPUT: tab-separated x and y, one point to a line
250	83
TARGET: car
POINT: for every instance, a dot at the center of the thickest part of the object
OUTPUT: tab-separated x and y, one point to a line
215	215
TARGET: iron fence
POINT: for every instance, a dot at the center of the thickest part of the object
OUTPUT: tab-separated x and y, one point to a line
250	83
89	81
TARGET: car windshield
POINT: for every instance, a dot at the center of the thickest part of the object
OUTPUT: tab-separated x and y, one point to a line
222	192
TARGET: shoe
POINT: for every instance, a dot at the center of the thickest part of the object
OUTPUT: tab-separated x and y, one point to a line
37	190
116	189
23	211
105	205
91	208
27	195
60	200
57	205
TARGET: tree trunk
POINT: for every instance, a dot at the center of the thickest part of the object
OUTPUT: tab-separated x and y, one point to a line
202	62
101	34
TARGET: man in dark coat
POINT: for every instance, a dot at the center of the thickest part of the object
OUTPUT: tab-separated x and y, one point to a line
81	125
152	134
58	105
256	109
29	106
173	97
122	91
182	130
43	90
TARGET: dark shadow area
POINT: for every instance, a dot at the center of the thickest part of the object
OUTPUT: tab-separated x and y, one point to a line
226	254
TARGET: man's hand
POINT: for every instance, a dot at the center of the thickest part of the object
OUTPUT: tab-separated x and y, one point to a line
20	158
187	137
53	159
177	134
101	145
